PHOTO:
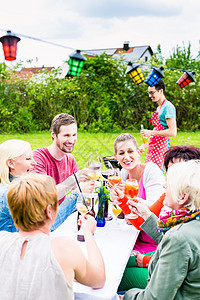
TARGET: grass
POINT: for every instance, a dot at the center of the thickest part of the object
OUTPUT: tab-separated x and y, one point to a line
100	142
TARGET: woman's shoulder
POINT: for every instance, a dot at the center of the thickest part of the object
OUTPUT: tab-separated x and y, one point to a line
153	172
63	244
5	234
150	166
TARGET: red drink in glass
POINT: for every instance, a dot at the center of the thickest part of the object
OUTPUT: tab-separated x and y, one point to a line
114	180
131	188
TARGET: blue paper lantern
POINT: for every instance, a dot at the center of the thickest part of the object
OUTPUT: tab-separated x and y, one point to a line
155	75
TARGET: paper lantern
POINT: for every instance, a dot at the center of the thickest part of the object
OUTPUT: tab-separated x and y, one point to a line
155	75
185	79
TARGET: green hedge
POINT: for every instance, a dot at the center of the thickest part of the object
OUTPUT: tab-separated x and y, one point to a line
102	98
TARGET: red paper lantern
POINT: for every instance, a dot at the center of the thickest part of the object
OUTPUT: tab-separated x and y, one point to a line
185	79
9	43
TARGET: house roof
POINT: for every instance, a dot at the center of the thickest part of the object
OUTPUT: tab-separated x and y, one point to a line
32	71
132	53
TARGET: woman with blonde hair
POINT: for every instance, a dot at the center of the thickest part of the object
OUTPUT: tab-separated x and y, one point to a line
36	265
149	177
16	159
174	268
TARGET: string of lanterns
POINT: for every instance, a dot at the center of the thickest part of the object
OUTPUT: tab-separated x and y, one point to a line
76	62
135	73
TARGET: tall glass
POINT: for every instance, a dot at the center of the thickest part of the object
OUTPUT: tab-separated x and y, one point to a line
115	179
94	166
82	210
131	192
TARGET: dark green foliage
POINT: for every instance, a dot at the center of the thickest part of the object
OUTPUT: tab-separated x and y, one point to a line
103	98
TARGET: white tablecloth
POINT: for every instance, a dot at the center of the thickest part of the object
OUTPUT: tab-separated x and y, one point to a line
115	243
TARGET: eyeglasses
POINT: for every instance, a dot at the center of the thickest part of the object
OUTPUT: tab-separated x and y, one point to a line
151	93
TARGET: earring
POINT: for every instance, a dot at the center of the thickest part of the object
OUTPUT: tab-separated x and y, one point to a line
50	218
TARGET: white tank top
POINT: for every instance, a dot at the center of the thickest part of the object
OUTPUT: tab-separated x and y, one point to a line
37	276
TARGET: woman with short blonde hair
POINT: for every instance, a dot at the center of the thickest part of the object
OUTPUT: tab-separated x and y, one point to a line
10	150
185	181
174	268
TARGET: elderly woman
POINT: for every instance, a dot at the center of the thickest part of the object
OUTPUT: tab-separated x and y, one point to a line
136	273
174	268
37	266
16	159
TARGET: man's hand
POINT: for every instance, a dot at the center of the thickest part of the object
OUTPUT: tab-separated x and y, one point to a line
87	187
82	175
145	133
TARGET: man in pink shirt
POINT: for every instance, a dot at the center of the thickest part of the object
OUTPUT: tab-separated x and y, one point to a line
57	161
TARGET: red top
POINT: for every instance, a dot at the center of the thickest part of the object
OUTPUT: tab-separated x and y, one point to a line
58	169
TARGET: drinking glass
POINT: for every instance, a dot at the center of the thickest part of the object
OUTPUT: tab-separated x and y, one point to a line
115	179
80	206
116	211
107	170
94	166
82	210
131	191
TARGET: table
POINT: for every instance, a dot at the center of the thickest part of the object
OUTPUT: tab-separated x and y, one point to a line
115	243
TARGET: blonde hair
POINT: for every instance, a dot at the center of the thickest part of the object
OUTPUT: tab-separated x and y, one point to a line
28	198
184	177
10	149
123	138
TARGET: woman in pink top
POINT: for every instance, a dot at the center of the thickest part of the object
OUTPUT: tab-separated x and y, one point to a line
150	179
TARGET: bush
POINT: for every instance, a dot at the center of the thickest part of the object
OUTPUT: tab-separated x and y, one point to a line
103	98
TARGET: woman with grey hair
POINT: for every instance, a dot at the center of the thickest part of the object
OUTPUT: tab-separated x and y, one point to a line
174	270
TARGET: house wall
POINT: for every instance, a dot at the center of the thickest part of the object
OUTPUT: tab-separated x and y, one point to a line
146	56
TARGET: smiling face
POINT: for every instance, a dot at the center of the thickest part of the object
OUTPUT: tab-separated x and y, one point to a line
156	96
66	138
127	154
23	164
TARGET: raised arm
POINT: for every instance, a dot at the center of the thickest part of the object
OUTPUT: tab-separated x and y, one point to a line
91	271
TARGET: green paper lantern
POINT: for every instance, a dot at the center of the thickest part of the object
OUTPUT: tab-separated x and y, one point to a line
76	63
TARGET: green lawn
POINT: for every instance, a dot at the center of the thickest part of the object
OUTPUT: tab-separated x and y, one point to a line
100	142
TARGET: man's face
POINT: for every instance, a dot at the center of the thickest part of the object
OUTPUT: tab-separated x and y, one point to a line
154	94
66	138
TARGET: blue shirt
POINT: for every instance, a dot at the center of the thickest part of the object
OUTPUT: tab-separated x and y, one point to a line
167	111
67	207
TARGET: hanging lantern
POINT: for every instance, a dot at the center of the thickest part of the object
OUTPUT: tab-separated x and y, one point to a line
155	75
76	62
185	79
9	43
135	73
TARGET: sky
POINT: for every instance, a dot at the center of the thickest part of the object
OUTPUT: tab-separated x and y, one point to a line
97	24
